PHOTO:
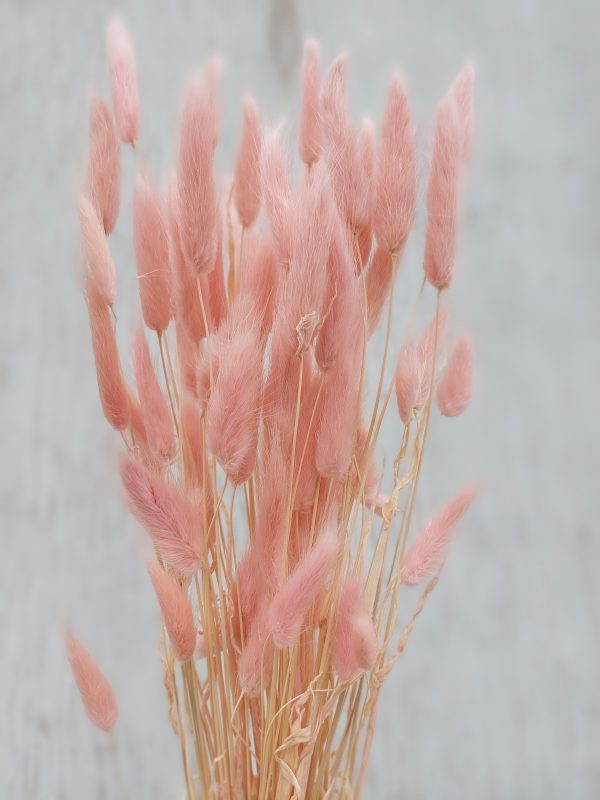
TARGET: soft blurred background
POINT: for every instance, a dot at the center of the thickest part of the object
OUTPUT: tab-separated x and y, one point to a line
498	693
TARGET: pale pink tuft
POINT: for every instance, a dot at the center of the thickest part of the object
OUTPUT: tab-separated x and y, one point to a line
100	262
260	278
378	282
442	196
176	612
246	185
123	77
233	412
396	178
366	154
96	692
309	136
408	381
114	394
172	521
277	194
290	606
427	353
157	419
428	552
151	244
462	91
104	165
216	283
198	208
271	510
192	448
256	660
354	637
454	392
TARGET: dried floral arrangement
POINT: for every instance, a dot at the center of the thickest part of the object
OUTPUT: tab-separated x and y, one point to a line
249	453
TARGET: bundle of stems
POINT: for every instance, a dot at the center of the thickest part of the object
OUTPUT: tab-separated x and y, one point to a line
249	449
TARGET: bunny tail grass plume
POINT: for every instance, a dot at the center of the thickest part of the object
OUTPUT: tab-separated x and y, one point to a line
246	182
198	209
123	77
157	419
96	692
256	660
462	92
103	180
366	154
172	521
309	136
277	194
428	552
454	392
396	178
176	611
290	606
100	263
151	253
233	413
442	196
354	637
407	381
114	394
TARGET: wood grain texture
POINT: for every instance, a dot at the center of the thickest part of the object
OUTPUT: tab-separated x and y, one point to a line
497	694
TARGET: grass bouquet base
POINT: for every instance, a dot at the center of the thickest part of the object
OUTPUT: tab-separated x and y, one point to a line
249	450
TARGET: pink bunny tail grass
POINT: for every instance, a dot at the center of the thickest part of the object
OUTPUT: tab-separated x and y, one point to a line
192	450
123	78
261	277
354	637
462	92
101	266
167	515
233	413
338	421
290	606
348	178
176	612
246	593
188	310
309	135
246	182
138	429
103	180
454	392
408	381
271	510
341	312
442	196
428	552
151	244
277	194
427	353
366	153
157	419
114	394
364	640
256	660
198	208
96	692
396	179
379	282
187	358
215	282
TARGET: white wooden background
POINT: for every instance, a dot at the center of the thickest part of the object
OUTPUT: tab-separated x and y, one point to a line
497	695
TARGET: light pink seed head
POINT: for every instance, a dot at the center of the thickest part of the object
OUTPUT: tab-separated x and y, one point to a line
123	77
96	692
309	137
454	391
176	612
104	165
101	266
247	166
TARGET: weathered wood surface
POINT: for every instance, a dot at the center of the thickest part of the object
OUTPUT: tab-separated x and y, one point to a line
497	696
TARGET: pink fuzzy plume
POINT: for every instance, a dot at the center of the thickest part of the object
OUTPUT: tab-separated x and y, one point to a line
309	136
192	448
261	276
188	310
157	419
246	183
271	510
256	660
354	636
454	392
408	381
151	253
176	612
100	263
348	178
96	692
198	209
338	419
172	521
396	179
427	351
462	91
277	194
290	606
104	165
233	412
216	282
366	154
341	312
442	195
114	394
379	281
428	552
123	77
